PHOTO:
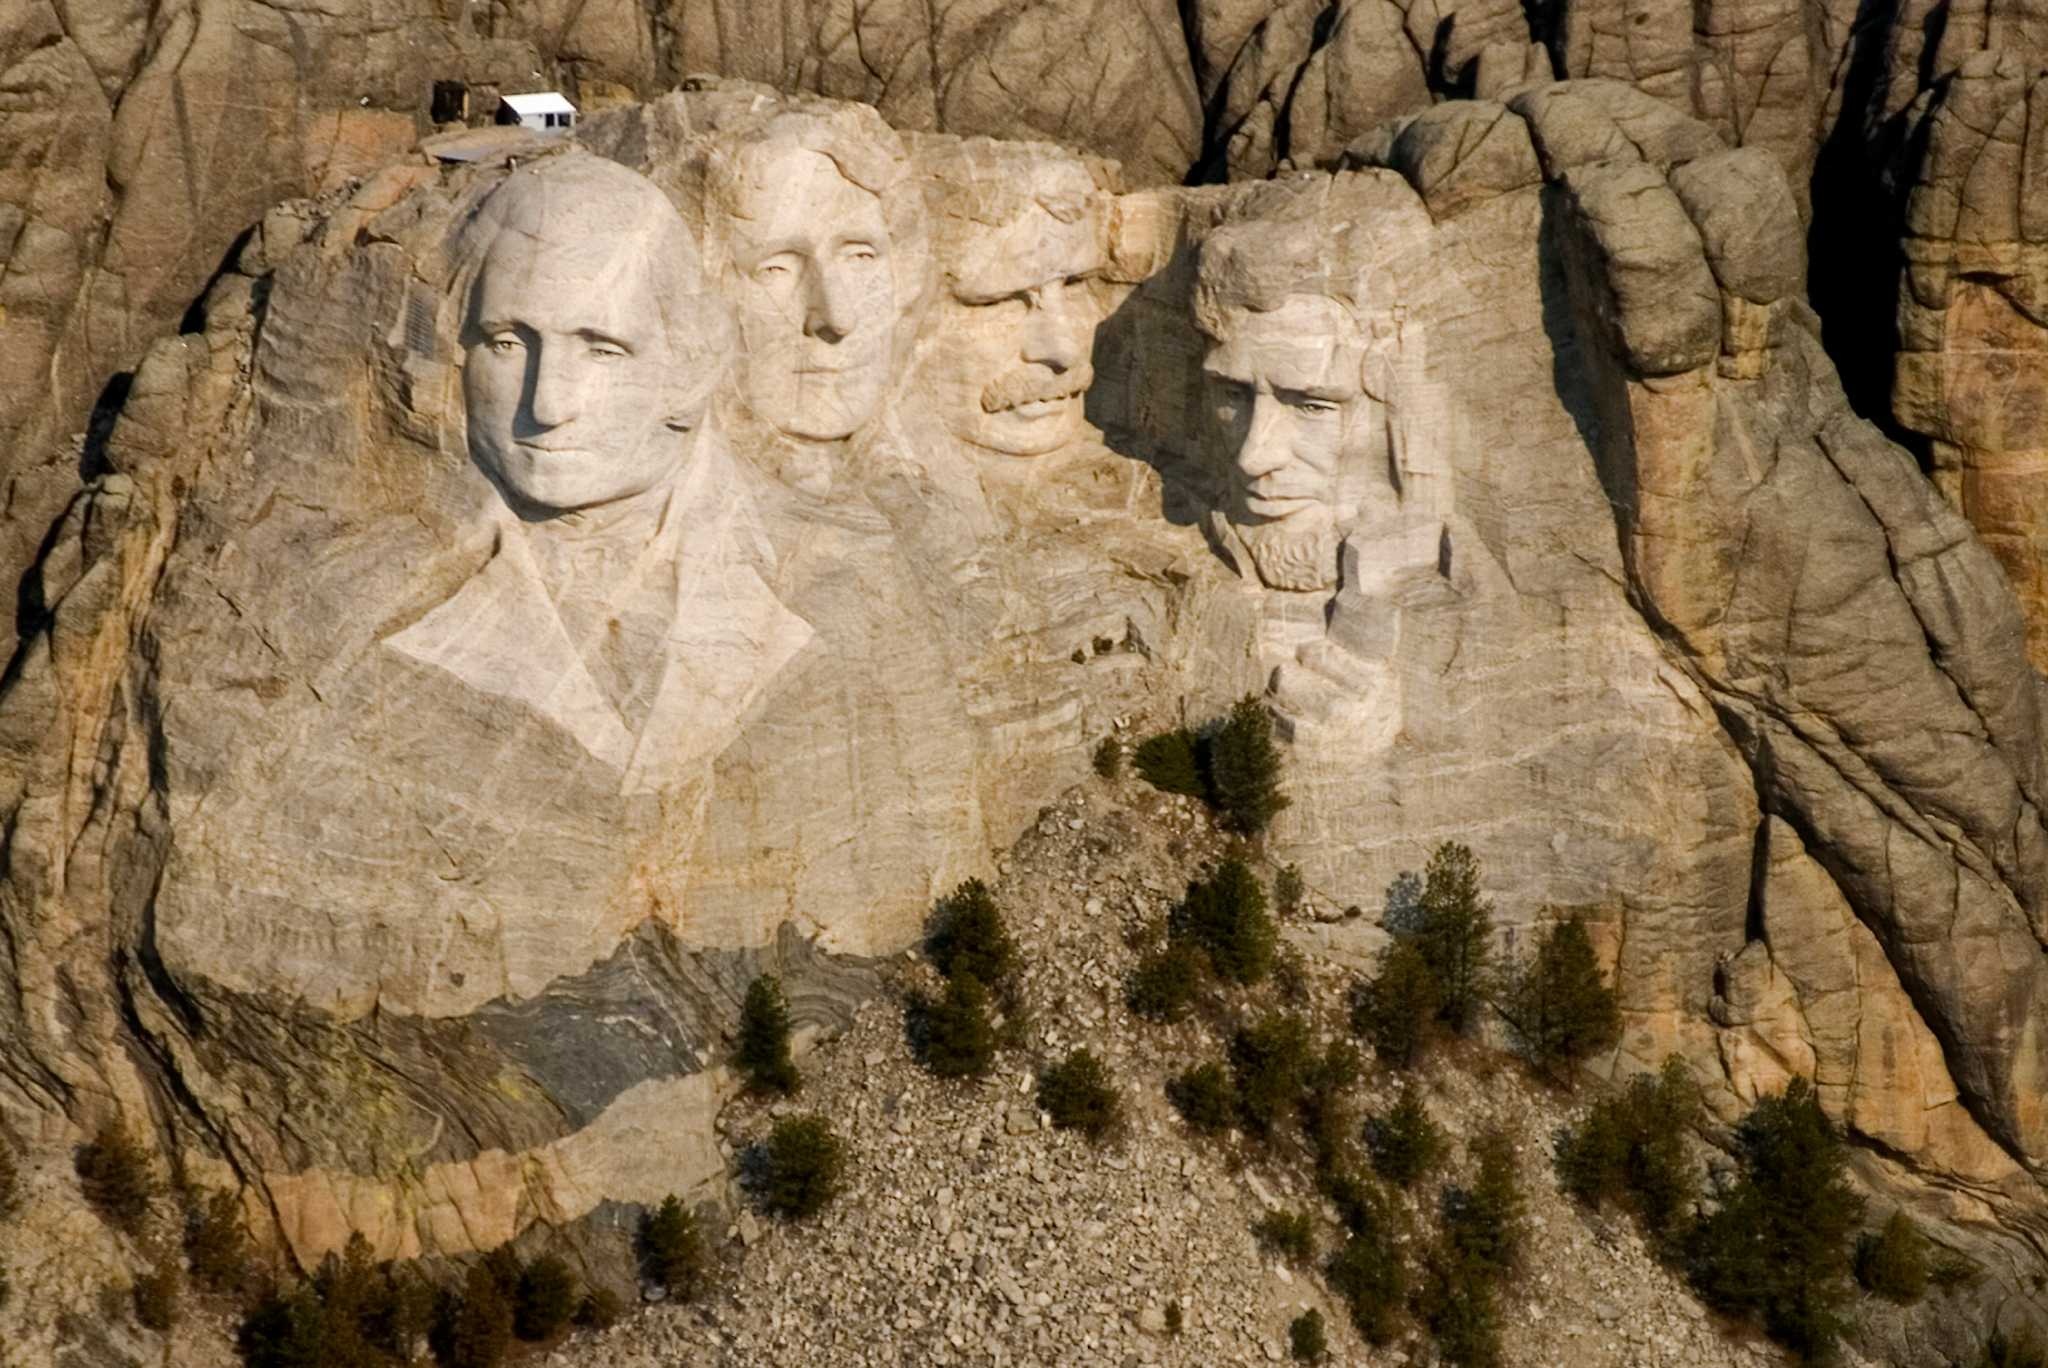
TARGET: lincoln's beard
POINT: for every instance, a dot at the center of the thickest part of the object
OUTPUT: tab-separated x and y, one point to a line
1298	554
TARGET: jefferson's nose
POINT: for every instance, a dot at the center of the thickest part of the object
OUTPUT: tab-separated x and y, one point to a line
828	313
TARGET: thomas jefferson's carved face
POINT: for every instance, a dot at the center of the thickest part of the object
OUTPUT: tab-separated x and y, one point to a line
814	293
1295	421
570	380
1012	336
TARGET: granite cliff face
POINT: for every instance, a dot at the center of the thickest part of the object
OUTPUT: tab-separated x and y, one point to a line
537	593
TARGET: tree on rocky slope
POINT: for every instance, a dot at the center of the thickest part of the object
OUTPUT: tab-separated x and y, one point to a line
1559	1004
763	1050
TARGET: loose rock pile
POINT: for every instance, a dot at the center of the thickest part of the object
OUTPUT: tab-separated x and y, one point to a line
973	1233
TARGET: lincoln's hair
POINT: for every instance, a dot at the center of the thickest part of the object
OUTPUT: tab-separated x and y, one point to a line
1321	235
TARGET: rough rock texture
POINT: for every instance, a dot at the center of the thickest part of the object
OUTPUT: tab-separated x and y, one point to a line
393	820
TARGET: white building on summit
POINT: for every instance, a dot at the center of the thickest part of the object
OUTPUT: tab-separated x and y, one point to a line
546	110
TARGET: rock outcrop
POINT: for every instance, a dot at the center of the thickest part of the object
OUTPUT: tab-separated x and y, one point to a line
545	590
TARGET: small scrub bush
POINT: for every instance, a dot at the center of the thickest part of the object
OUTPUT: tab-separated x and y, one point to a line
673	1251
216	1246
10	1180
1893	1263
959	1039
1109	757
1290	1234
600	1309
1244	768
1165	982
1288	890
1559	1004
763	1050
2013	1351
1174	1317
1404	1143
1170	763
1226	915
968	936
1950	1271
115	1176
156	1298
1269	1062
1776	1247
1307	1341
545	1299
1078	1094
803	1166
1397	1008
1203	1097
1630	1149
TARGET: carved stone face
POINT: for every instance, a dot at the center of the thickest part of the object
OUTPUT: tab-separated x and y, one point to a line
1012	336
1297	428
813	292
570	377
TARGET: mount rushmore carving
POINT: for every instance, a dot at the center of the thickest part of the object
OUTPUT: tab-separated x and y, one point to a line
551	589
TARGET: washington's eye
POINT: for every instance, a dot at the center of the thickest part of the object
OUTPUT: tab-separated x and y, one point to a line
859	251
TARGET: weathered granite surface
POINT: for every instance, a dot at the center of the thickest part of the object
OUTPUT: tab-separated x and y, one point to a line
544	592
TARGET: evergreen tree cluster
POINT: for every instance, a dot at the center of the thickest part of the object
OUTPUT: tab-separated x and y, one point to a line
1232	764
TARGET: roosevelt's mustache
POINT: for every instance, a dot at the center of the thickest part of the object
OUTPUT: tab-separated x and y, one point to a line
1031	384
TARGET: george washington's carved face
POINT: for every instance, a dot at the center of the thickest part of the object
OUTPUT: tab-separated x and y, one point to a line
575	390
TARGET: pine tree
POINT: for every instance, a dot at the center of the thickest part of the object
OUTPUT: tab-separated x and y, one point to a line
1405	1144
1226	915
804	1165
1079	1094
479	1322
959	1041
1397	1008
1777	1245
546	1298
1269	1063
217	1246
1306	1338
673	1247
1455	933
763	1050
1560	1006
1483	1222
968	936
1244	768
1893	1262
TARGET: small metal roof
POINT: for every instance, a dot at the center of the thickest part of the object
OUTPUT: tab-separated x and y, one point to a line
539	102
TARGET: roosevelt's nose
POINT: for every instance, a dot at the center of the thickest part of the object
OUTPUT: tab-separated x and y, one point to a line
1053	334
1264	449
553	386
828	307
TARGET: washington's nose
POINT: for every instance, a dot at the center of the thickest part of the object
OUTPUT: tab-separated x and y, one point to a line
551	388
828	314
1265	440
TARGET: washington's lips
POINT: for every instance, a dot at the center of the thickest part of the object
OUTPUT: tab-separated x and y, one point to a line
1037	393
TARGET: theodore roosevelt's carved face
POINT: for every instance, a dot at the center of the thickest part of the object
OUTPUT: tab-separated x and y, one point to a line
1297	428
813	290
575	390
1008	364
